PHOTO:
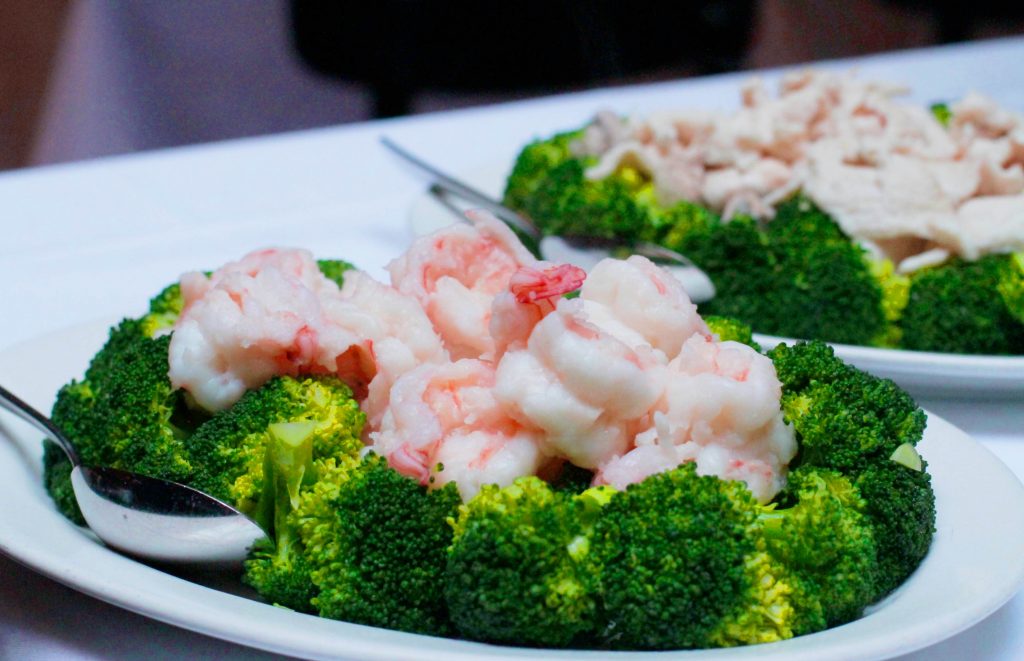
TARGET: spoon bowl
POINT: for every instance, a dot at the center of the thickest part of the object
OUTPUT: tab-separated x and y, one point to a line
145	516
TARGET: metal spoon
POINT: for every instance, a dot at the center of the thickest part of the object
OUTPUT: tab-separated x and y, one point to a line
583	252
148	517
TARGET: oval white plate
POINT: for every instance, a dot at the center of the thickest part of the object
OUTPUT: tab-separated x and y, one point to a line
972	569
926	375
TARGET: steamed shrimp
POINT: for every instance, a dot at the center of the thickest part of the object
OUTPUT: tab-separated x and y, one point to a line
531	295
258	318
721	408
640	303
455	274
443	424
582	388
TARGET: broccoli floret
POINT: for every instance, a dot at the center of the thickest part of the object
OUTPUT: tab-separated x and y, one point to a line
674	553
519	570
901	504
277	566
731	330
957	307
548	185
942	113
845	419
826	539
334	269
737	257
826	289
164	310
376	543
228	450
124	414
532	166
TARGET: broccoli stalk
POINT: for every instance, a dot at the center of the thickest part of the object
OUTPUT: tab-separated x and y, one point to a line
278	569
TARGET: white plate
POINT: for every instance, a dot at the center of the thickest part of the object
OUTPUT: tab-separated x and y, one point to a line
928	376
973	568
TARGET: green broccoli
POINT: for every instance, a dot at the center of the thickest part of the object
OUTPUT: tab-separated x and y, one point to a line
534	163
164	310
228	450
548	185
334	269
942	113
901	504
731	330
376	544
1011	285
680	566
277	566
123	414
826	539
845	419
957	307
520	569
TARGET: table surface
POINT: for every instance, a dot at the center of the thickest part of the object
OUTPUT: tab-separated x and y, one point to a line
97	239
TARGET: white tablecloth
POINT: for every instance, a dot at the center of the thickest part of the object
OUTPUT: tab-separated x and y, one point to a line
96	239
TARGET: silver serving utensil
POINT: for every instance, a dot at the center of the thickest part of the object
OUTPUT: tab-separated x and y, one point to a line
583	252
148	517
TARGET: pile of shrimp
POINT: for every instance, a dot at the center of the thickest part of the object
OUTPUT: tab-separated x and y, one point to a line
473	367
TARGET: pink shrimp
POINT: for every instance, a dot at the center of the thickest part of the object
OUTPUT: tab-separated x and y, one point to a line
455	274
274	313
581	387
443	424
254	319
721	408
640	303
532	294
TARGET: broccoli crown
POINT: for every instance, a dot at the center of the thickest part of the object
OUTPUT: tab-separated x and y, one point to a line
901	504
731	330
845	419
334	269
827	290
376	543
164	310
124	414
534	163
826	539
673	551
957	307
278	569
229	449
519	569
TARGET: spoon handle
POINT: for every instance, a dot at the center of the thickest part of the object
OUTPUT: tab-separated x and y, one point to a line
11	402
463	190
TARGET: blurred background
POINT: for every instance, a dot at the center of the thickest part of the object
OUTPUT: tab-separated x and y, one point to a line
87	78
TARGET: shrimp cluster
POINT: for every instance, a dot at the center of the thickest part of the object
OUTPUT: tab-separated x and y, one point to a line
474	367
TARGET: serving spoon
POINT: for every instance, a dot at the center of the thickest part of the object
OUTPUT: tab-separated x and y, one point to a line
145	516
584	252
